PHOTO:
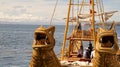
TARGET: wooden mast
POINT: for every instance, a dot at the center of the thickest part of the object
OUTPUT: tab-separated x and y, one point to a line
67	25
66	30
93	23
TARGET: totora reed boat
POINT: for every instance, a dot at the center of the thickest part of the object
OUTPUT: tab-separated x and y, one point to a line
88	45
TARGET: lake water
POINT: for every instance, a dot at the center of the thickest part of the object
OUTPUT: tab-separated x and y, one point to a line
16	41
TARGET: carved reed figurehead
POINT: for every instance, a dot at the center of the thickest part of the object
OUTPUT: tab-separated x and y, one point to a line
43	54
106	48
107	41
44	36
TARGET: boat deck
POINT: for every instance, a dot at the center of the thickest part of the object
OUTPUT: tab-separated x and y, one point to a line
74	61
74	66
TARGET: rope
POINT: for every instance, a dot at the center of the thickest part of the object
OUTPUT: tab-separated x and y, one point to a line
98	9
81	7
102	11
78	8
53	12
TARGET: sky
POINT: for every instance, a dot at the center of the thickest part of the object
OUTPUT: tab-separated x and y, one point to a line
40	11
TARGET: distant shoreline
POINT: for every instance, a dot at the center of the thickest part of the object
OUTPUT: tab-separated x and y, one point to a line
109	23
39	23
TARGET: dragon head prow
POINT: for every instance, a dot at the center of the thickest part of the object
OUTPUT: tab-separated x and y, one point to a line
107	40
44	37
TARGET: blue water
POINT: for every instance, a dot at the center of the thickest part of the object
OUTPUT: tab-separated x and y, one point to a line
16	41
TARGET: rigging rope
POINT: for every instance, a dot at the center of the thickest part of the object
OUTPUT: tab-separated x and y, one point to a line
78	7
81	7
53	12
102	13
98	10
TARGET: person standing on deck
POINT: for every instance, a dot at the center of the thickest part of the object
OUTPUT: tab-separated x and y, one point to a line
80	51
90	47
87	52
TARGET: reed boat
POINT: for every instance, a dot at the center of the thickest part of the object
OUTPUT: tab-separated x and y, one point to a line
88	42
88	45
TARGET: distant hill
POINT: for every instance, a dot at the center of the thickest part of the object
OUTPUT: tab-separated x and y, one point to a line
109	23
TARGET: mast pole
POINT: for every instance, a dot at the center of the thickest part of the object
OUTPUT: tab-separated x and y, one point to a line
93	23
66	30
